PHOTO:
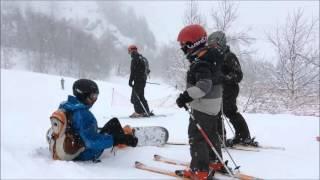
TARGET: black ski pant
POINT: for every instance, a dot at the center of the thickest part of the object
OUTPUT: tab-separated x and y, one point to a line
230	109
113	127
201	152
137	97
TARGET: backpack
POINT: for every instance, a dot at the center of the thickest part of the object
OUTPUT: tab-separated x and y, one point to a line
146	64
64	144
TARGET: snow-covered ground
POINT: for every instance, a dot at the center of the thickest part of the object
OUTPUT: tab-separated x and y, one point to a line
28	99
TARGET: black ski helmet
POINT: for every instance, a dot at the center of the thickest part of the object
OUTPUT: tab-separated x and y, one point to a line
83	88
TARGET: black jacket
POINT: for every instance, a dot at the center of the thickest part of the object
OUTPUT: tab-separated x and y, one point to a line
231	68
138	68
203	84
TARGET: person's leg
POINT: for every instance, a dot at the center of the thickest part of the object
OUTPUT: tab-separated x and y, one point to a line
143	99
231	111
212	132
244	130
137	105
113	126
221	129
140	93
198	146
230	93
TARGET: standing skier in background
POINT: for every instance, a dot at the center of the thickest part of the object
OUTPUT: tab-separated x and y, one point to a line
138	78
232	76
204	93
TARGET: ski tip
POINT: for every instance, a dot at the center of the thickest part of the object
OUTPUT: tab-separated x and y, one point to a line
137	163
156	157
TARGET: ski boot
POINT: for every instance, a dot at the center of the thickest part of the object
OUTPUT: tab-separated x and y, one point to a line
148	114
249	142
136	115
219	167
233	141
194	175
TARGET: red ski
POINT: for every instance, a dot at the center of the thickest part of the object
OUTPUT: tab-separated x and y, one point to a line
237	174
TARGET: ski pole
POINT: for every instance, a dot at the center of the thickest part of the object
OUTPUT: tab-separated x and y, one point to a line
224	118
145	110
226	149
205	136
153	83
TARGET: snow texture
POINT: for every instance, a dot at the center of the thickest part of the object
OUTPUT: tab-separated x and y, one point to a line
28	99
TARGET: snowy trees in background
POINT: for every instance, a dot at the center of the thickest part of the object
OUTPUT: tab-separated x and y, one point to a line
70	46
192	14
178	63
296	44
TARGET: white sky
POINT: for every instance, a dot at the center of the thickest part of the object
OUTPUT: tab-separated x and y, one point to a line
165	18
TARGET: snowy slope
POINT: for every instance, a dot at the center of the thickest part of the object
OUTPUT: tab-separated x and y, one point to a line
27	100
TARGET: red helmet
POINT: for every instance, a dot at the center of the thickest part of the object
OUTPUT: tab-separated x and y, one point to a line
132	48
192	36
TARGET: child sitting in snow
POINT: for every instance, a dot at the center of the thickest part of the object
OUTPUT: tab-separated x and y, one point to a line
74	134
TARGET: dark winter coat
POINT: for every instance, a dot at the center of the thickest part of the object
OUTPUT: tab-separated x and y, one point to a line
85	125
204	81
231	68
138	68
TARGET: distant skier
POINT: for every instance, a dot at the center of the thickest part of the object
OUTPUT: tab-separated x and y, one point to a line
204	93
138	78
62	83
74	133
232	76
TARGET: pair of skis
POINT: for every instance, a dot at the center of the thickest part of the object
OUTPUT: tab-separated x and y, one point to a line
157	170
241	147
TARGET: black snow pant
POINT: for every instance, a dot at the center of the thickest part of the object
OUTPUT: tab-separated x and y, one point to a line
112	127
230	94
137	97
201	152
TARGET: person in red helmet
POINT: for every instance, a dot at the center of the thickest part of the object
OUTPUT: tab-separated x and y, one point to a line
204	95
138	78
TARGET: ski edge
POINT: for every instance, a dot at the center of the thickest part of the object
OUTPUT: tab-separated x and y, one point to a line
142	166
157	170
237	175
237	146
242	148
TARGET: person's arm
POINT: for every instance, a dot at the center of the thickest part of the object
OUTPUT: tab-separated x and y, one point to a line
88	133
132	71
203	77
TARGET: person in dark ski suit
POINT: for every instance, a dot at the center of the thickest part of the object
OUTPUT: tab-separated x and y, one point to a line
204	94
232	76
84	124
137	80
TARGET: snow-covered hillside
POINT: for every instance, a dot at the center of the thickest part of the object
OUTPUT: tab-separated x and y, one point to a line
27	100
85	15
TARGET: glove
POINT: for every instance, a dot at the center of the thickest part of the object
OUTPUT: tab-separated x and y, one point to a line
130	83
227	79
126	139
183	99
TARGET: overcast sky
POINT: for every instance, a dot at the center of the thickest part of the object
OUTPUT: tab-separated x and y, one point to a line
165	18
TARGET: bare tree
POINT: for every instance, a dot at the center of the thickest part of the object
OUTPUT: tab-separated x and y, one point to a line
192	14
224	16
296	44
